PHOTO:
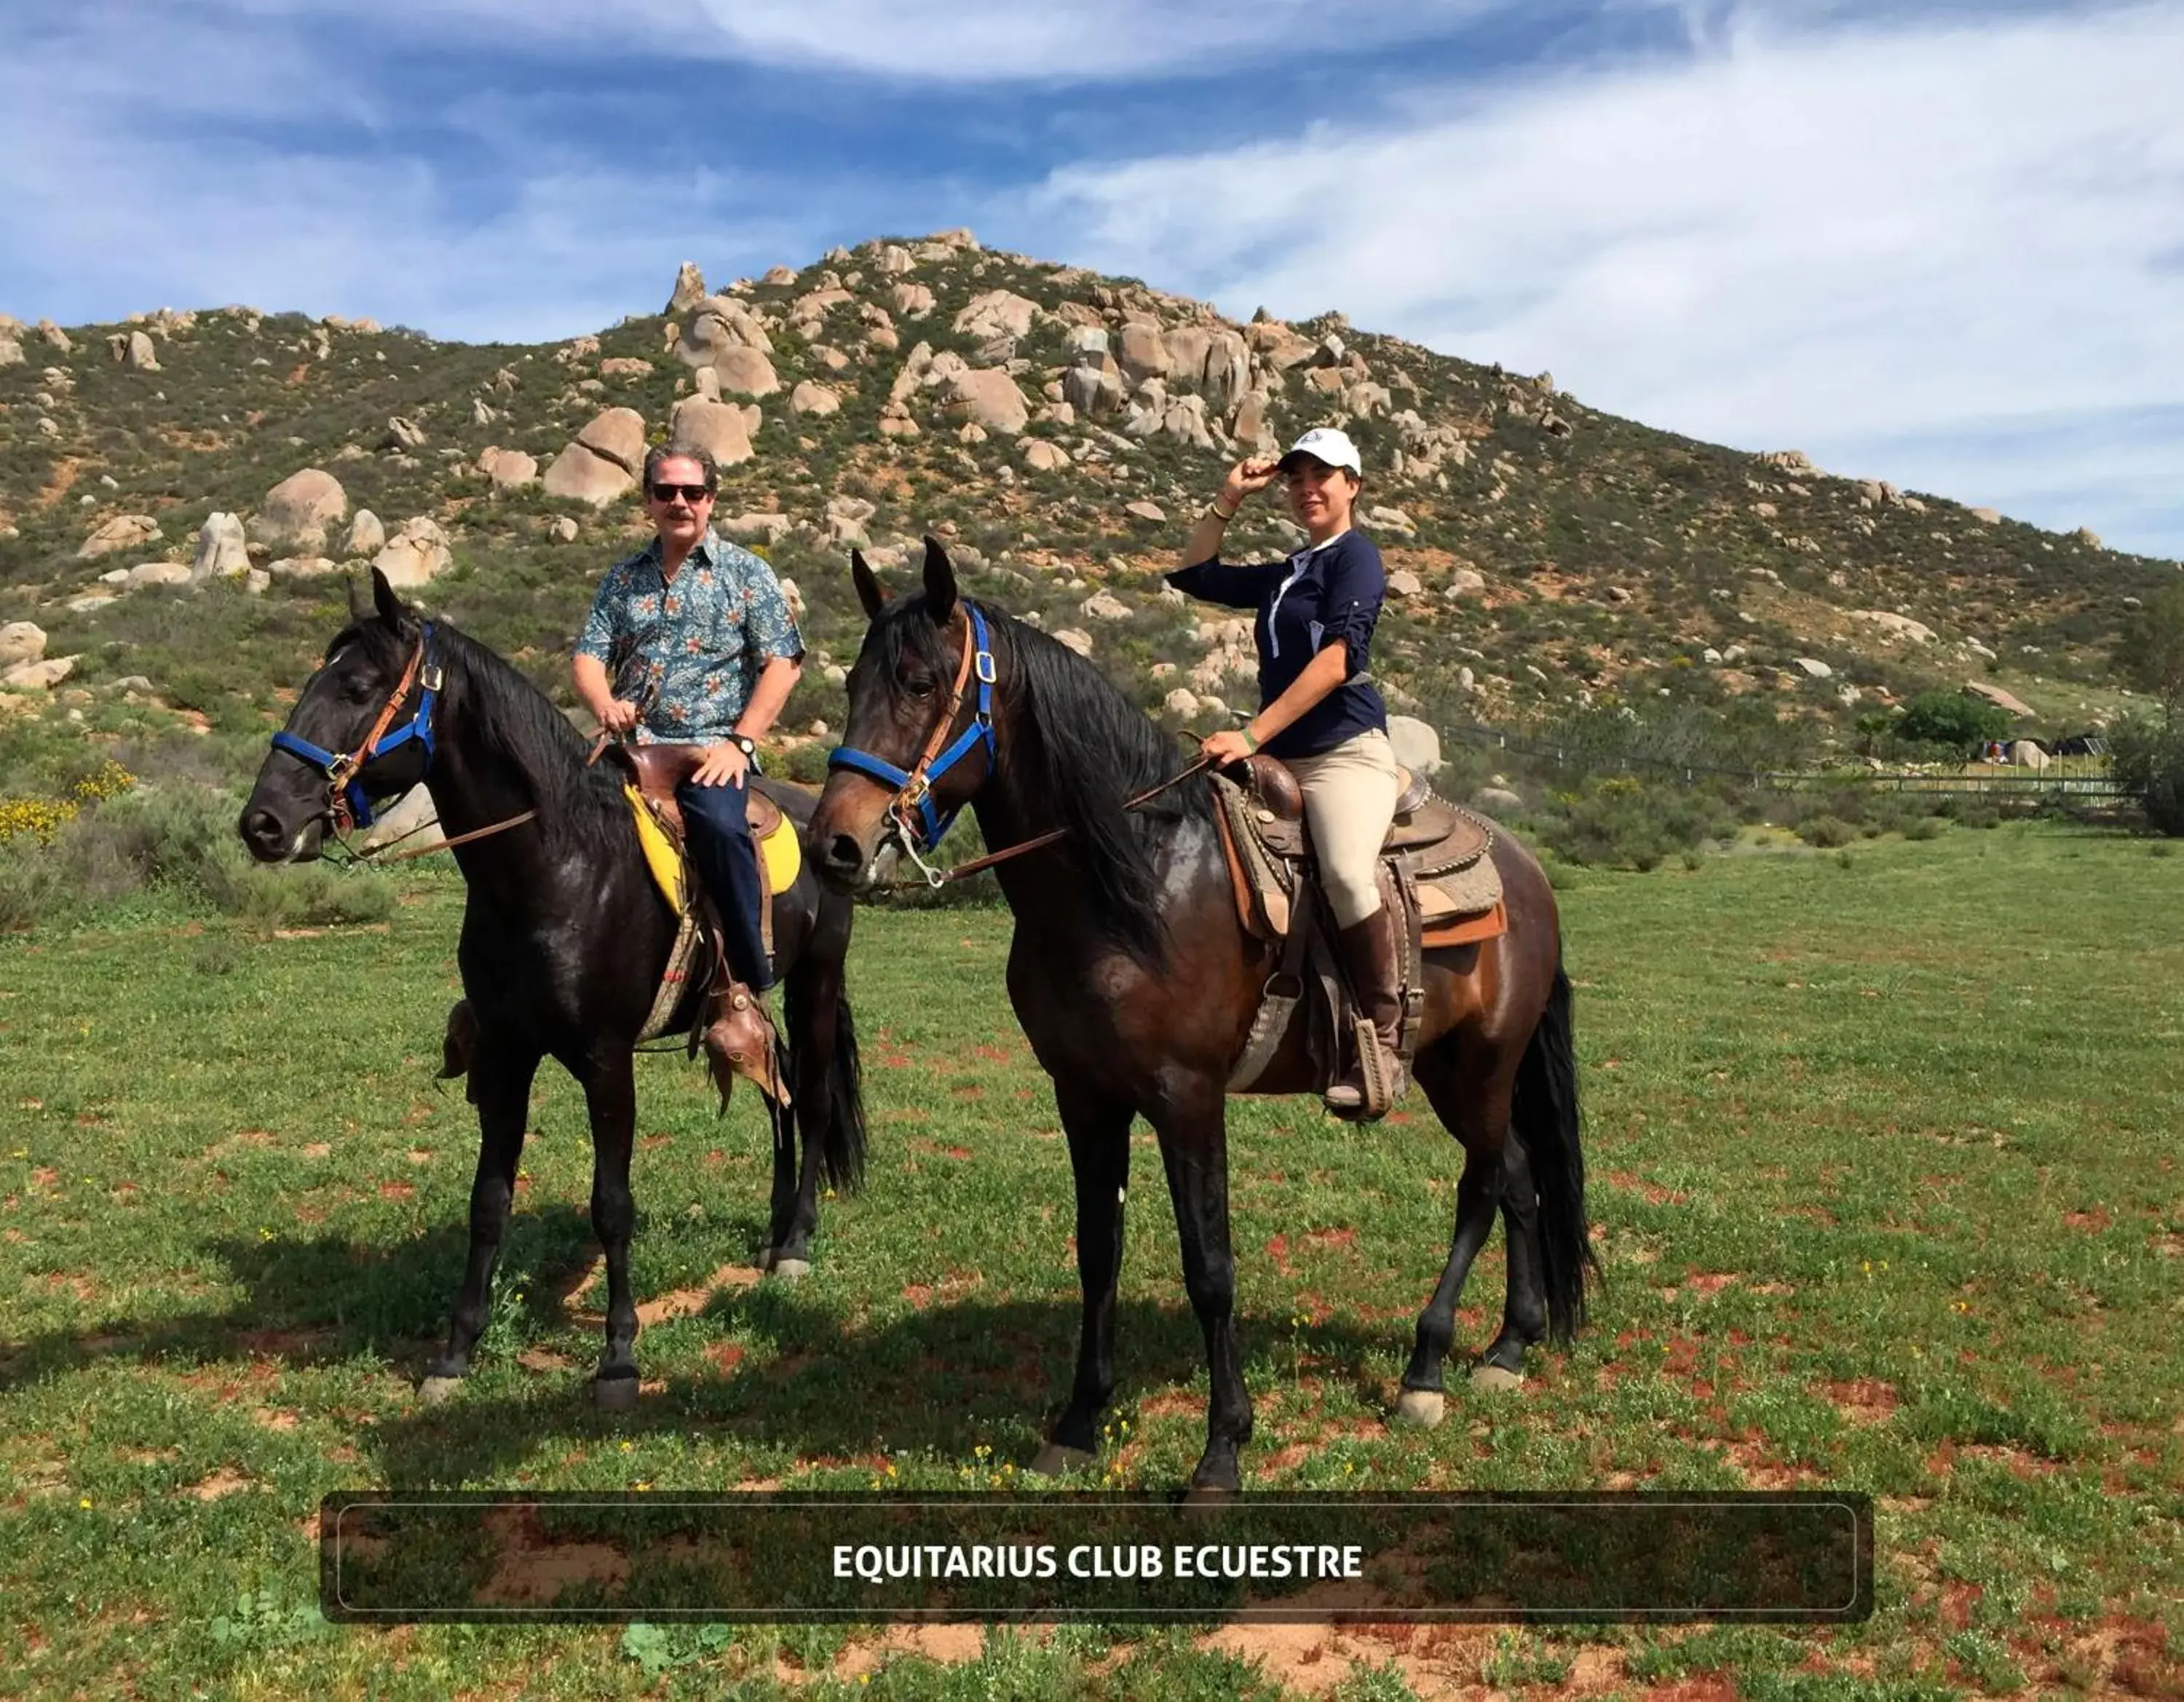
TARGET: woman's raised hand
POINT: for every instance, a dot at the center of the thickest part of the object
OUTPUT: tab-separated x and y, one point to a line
1246	477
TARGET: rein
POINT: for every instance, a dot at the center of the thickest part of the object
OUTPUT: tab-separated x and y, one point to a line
941	877
914	785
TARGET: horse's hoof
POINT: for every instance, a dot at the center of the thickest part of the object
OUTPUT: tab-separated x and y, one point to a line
790	1269
1496	1379
614	1394
1422	1409
1056	1458
766	1258
434	1390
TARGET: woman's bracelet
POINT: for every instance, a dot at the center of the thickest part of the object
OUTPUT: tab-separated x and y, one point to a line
1224	515
1250	743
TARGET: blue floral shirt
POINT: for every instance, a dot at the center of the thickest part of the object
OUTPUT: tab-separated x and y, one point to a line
689	655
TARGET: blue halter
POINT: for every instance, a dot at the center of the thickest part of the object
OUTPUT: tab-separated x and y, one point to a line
344	774
914	786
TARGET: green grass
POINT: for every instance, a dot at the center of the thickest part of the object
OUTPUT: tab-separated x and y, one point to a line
1883	1158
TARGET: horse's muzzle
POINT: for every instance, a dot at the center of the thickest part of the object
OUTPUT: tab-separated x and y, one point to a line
843	864
270	840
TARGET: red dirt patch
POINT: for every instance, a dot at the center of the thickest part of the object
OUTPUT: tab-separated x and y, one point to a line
1652	1193
1864	1400
2092	1222
534	1571
950	1645
224	1482
397	1190
683	1303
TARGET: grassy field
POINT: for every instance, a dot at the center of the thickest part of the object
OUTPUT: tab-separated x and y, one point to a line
1884	1167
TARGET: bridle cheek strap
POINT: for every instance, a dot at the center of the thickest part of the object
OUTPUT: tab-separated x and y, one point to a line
914	786
347	801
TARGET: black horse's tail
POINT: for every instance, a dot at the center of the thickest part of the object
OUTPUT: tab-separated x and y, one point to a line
842	1142
1545	1110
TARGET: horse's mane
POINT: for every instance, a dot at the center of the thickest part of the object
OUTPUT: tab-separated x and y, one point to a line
578	806
575	803
1076	747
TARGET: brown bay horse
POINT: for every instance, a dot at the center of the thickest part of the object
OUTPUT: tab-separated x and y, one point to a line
1135	982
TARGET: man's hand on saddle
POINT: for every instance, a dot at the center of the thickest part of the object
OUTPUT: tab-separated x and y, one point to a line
725	764
621	716
1226	746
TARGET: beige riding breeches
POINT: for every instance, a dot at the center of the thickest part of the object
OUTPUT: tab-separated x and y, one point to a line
1348	802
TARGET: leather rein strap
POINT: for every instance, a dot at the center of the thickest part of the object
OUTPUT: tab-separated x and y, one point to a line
978	865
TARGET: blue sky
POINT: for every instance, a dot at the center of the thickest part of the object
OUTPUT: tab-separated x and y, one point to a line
1942	244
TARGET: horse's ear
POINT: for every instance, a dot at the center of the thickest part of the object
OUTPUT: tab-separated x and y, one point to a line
357	611
939	580
870	592
391	607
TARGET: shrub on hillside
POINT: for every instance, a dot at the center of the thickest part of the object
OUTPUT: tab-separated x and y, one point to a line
179	842
2146	754
1620	822
1953	719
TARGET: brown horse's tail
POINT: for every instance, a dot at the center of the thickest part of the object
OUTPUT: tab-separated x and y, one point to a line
1545	1112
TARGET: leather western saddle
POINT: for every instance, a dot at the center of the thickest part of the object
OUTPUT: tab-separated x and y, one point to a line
731	1024
1435	876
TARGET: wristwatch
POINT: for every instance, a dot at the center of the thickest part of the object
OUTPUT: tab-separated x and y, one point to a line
745	743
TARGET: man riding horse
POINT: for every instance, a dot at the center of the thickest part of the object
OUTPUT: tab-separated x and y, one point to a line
690	642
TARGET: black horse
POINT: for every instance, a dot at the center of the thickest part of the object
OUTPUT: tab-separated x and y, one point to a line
565	937
1136	984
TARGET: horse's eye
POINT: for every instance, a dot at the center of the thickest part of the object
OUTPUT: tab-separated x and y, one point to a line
919	686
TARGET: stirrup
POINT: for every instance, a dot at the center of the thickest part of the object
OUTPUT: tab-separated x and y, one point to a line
738	1039
1378	1083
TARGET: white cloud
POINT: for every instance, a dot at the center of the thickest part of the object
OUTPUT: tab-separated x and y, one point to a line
1851	242
1069	40
947	41
211	166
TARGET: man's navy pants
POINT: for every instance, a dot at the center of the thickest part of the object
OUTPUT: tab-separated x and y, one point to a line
727	856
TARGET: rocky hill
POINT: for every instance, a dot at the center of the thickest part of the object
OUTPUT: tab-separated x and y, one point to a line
180	495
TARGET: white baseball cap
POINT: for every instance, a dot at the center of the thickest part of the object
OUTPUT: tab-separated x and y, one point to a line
1325	443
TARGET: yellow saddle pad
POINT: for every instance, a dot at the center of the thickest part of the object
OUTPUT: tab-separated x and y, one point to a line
779	852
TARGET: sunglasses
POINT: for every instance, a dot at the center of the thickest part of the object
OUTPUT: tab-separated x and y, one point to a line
692	494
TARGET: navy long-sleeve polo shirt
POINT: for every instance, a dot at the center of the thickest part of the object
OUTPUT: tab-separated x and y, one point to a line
1317	597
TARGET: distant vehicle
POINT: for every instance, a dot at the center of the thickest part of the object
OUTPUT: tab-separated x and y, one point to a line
2080	744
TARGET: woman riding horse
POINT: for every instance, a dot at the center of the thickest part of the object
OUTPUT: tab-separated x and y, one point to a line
1319	711
1136	981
